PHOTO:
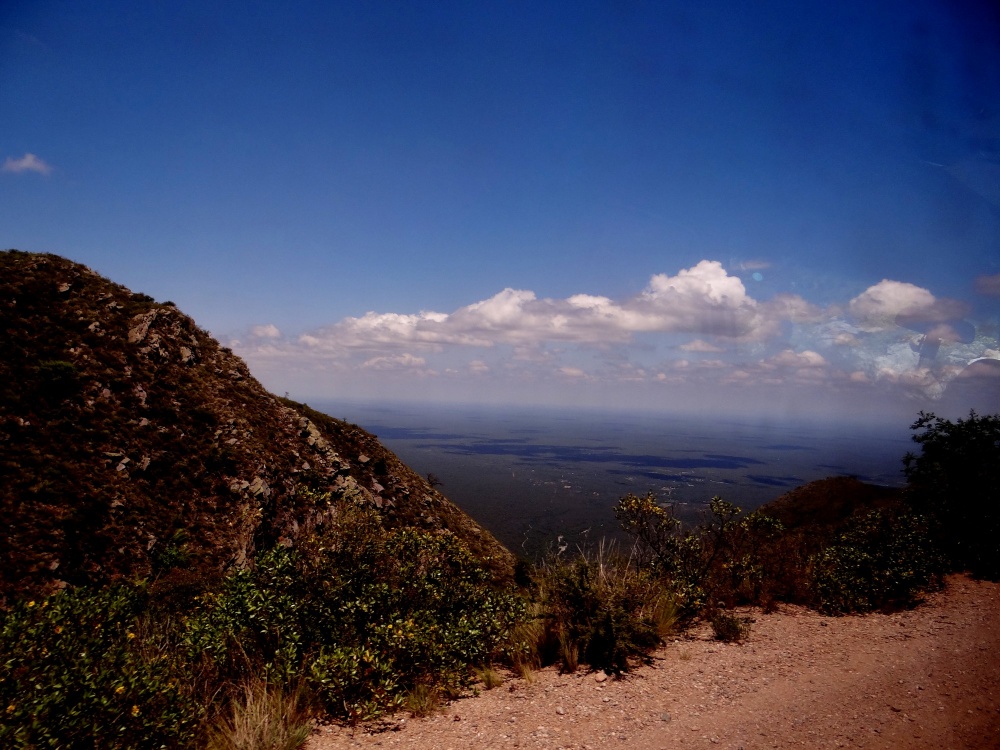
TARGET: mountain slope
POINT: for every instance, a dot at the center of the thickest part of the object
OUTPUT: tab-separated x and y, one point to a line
131	442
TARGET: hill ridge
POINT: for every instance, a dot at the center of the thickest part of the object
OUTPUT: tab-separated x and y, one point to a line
129	437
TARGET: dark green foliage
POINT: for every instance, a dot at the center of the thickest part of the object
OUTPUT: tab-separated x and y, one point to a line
598	610
882	560
365	613
731	558
358	614
956	481
77	672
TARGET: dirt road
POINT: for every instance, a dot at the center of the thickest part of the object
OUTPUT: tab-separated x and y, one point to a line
925	678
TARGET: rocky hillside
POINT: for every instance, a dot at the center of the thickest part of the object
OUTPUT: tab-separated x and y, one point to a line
133	445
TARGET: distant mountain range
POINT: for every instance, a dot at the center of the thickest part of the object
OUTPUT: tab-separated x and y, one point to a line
130	441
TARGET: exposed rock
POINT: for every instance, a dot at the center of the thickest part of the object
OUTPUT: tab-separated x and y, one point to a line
212	453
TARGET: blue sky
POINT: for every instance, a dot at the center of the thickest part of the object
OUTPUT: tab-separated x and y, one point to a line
726	206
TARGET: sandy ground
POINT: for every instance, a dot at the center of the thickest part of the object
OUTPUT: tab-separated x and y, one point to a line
925	678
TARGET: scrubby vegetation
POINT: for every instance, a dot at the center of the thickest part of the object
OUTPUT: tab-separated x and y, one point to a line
955	481
355	621
358	619
192	562
837	545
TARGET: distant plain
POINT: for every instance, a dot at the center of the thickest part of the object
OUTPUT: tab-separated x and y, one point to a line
533	476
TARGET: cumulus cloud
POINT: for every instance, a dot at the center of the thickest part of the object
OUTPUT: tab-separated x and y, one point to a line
889	303
703	300
988	285
893	335
269	331
27	163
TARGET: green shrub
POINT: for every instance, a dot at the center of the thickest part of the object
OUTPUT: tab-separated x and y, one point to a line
730	628
365	613
252	628
75	674
882	560
676	556
599	610
730	558
355	683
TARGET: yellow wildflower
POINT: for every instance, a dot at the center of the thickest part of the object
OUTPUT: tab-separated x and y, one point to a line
119	690
10	708
135	710
31	604
130	635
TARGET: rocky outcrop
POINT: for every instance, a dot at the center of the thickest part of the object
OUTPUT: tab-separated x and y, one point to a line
129	436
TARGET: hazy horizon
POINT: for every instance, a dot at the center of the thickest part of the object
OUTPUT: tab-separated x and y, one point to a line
532	475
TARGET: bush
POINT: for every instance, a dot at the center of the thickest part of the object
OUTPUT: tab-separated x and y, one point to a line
956	481
601	611
731	558
730	628
75	674
367	614
882	560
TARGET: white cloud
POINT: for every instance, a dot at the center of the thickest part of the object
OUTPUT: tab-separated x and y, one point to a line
699	346
796	360
269	331
27	163
395	362
894	335
703	300
889	303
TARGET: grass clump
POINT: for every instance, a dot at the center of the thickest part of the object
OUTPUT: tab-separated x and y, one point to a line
489	676
422	700
262	717
598	609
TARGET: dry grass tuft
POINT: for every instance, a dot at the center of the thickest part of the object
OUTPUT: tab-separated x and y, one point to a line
264	717
489	677
422	700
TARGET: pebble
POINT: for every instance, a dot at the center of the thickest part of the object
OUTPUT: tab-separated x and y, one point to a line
664	716
561	711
